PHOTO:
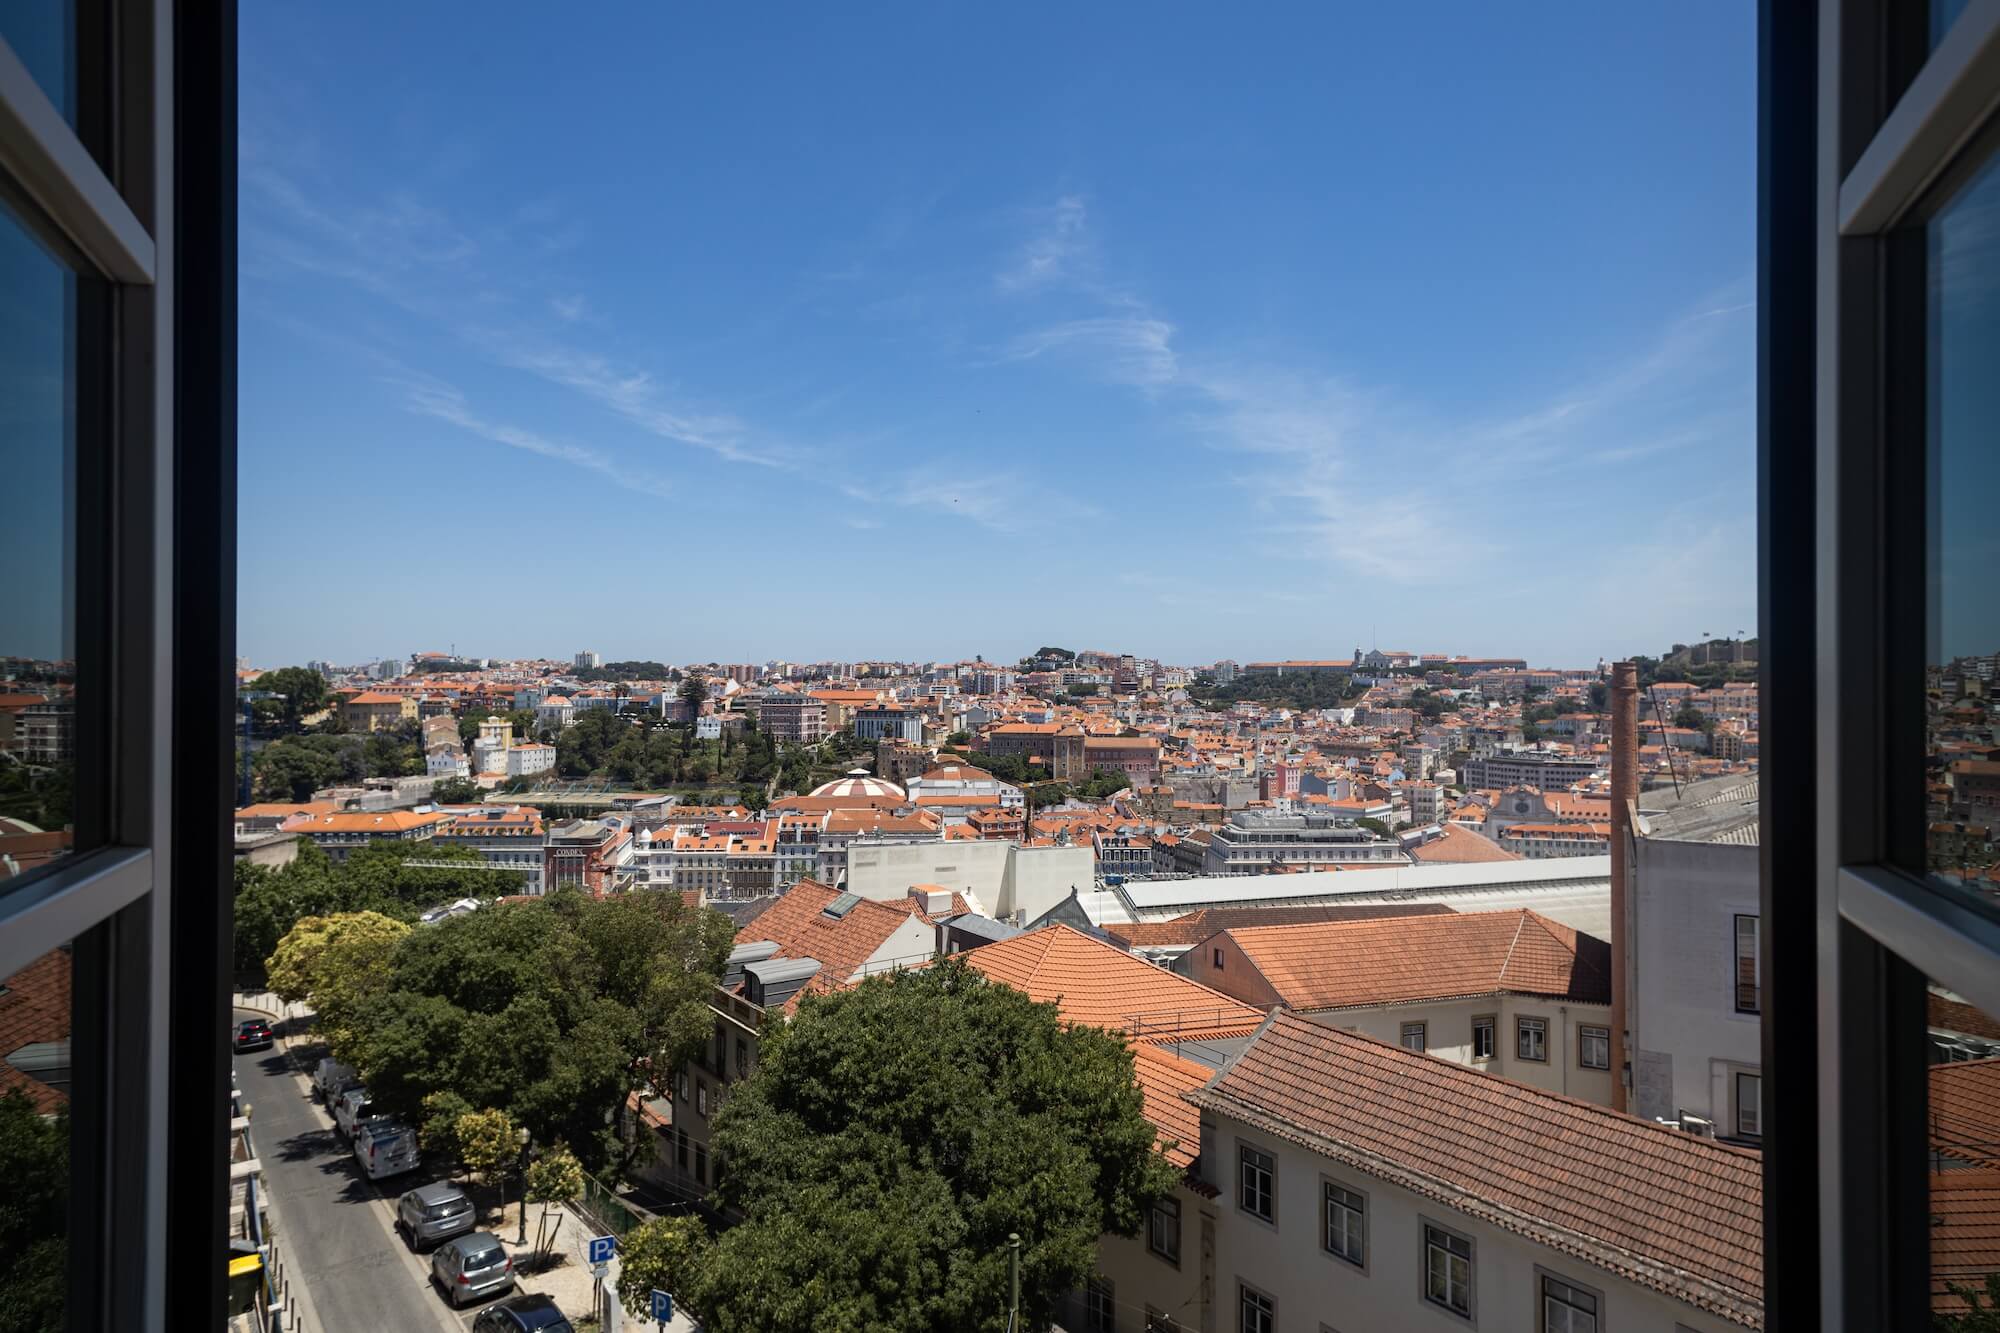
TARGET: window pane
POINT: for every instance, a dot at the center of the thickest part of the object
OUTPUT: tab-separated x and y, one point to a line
43	34
34	1140
1964	1121
1963	601
37	553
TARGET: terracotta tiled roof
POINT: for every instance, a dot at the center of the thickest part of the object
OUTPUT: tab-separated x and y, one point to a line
1163	1078
34	1009
1339	963
1100	984
1965	1112
1965	1234
1194	927
1670	1211
800	928
368	821
1461	845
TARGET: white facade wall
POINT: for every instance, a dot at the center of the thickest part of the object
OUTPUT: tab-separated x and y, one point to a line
1314	1290
1010	877
1688	1041
446	762
1448	1033
524	760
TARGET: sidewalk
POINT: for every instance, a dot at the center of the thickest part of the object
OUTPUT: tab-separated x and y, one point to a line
570	1286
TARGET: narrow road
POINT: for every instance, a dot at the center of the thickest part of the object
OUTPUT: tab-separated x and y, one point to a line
336	1228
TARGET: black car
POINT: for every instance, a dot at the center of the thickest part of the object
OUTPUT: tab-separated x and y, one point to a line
522	1314
254	1035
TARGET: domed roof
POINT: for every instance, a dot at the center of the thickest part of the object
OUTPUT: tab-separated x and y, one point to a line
859	782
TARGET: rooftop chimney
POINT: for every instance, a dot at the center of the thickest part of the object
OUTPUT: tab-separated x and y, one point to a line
1624	792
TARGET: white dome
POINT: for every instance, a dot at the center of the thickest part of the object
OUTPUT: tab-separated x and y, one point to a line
859	782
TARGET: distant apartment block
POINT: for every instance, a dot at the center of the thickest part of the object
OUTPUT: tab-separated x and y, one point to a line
373	710
338	835
1255	842
506	838
793	719
1077	756
891	722
1547	772
1539	841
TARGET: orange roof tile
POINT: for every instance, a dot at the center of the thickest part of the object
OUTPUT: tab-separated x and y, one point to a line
800	928
1103	986
1164	1078
1194	927
1460	845
1965	1110
1670	1211
35	1008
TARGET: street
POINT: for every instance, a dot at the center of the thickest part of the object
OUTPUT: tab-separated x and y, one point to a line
336	1229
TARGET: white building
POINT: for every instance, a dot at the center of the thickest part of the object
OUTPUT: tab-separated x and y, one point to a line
446	761
489	748
1345	1182
1015	881
554	713
1695	993
530	758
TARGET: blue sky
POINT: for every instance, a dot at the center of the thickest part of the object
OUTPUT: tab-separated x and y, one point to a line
723	333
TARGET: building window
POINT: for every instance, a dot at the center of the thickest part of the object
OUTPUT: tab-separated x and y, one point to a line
1255	1173
1482	1037
1593	1047
1750	1105
1567	1308
1157	1322
681	1149
701	1162
1413	1036
1749	992
700	1098
1098	1306
1531	1038
1260	1314
742	1058
1218	959
1448	1270
1346	1217
1163	1230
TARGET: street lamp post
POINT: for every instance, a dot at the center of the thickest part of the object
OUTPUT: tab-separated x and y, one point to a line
522	1239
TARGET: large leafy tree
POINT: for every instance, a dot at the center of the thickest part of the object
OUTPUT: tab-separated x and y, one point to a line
893	1136
551	1010
34	1162
338	962
303	692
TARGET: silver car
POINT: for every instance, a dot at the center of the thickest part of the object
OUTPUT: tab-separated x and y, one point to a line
472	1268
430	1214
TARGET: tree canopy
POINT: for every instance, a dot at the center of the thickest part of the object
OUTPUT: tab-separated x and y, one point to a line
892	1137
550	1010
1300	690
338	962
34	1161
303	691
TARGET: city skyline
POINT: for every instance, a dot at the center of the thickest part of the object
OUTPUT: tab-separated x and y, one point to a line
1094	335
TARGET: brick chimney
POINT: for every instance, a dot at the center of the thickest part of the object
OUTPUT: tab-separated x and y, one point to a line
1624	792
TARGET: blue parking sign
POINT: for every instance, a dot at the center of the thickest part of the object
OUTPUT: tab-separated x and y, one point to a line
602	1248
663	1305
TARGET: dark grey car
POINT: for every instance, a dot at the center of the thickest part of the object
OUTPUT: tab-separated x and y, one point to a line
430	1214
472	1268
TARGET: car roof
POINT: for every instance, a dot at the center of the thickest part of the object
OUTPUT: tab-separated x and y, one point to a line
254	1023
471	1240
535	1303
438	1191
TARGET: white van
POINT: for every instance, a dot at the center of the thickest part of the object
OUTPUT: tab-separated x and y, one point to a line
385	1147
330	1078
352	1108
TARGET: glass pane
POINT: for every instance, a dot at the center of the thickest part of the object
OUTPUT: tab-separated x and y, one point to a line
1944	13
1964	1122
34	1140
43	34
1963	600
37	553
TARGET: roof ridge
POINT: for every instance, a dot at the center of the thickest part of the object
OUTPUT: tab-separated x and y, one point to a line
1506	963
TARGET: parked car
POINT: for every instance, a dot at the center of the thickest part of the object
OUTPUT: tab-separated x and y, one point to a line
331	1078
254	1035
472	1268
432	1214
385	1147
352	1107
523	1314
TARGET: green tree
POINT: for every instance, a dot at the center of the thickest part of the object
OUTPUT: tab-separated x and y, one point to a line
694	692
894	1134
337	964
293	768
437	1127
583	745
303	691
1981	1313
1083	689
660	1254
486	1141
1692	718
1374	826
555	1180
34	1161
1600	696
457	791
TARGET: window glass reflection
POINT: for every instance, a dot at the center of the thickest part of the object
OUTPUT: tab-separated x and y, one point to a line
1962	646
34	1141
42	33
37	575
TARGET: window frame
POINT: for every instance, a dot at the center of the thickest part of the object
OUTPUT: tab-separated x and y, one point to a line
1425	1226
1171	1254
1492	1024
1522	1028
1244	1149
148	221
1756	1006
1603	1033
1543	1276
1420	1030
1100	1305
1326	1206
1244	1291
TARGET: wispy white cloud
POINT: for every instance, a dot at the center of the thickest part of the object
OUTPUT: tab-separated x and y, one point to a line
1000	501
444	403
569	309
1127	349
1059	240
